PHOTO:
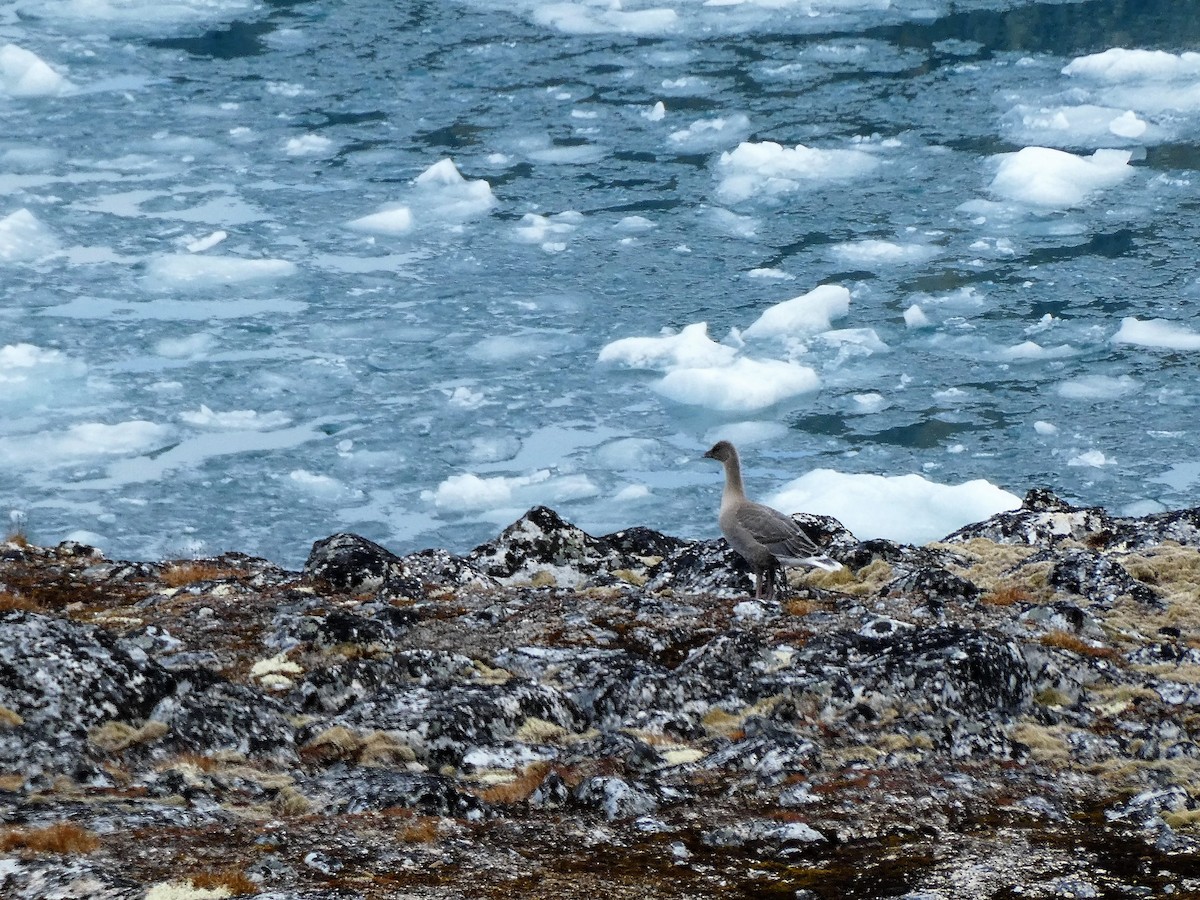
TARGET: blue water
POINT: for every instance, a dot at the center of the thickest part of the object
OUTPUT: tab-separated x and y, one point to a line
169	404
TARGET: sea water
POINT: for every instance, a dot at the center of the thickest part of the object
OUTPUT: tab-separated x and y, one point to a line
277	269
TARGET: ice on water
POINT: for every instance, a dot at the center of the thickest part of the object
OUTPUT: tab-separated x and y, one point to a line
274	272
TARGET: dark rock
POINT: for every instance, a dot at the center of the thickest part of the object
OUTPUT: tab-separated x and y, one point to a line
1046	521
704	567
615	797
351	563
444	570
933	584
541	541
1099	578
61	679
358	789
643	543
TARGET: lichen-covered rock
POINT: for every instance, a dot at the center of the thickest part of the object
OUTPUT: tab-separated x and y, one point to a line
442	569
933	585
541	545
704	567
359	789
1043	520
58	679
1099	578
351	563
615	797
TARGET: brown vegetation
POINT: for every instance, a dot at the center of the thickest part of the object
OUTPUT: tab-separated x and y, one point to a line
1063	640
62	837
14	601
1007	595
189	572
232	879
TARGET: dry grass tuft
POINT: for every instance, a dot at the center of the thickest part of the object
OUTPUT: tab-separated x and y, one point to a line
63	837
799	607
1007	595
17	538
520	788
10	718
12	601
114	736
184	573
233	880
1063	640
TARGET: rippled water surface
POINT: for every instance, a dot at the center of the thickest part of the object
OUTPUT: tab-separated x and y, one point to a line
247	301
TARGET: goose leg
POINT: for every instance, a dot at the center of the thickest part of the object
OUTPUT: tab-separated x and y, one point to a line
758	583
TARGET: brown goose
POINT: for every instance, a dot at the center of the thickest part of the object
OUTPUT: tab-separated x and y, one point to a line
764	537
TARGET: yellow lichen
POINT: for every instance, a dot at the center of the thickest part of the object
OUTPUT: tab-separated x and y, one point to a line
114	736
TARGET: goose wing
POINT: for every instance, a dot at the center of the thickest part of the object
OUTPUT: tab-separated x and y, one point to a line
782	537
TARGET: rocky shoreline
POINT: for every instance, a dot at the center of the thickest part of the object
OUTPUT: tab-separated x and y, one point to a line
1011	712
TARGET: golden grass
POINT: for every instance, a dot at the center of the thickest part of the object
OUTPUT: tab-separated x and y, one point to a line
1063	640
233	880
1007	595
521	787
17	538
13	601
189	572
63	837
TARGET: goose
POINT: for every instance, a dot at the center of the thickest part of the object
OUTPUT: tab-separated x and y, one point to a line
764	537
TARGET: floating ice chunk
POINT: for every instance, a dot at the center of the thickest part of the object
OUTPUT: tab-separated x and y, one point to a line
907	508
706	135
1045	428
1082	125
188	270
1093	458
190	347
84	441
1159	333
1040	176
1097	387
323	487
875	252
914	317
692	347
589	18
465	398
634	224
777	274
631	492
199	245
1127	125
568	154
1030	351
865	339
1118	64
390	220
535	229
235	419
470	493
447	195
30	374
733	224
23	238
656	113
769	169
805	314
869	403
25	74
143	15
308	145
743	385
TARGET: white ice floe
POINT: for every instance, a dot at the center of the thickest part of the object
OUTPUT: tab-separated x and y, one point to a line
87	440
199	271
875	252
234	419
1097	387
604	18
1118	64
308	145
1082	125
907	508
656	113
199	245
323	487
1045	428
1031	351
32	375
745	434
806	314
25	74
392	219
707	135
468	492
914	317
1158	333
1044	177
1093	458
143	16
548	230
24	238
768	169
742	385
691	347
440	194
